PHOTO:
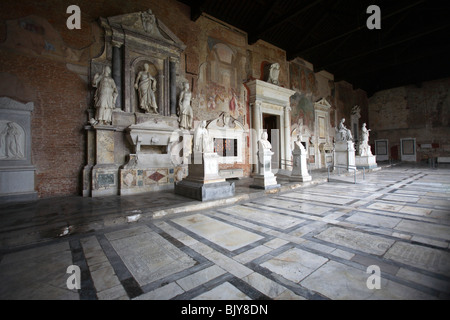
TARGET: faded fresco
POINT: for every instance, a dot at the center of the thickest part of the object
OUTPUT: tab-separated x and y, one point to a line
220	87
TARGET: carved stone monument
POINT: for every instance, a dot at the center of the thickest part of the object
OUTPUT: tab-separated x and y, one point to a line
203	181
344	148
146	86
16	168
185	113
105	96
264	179
134	141
365	158
268	99
299	170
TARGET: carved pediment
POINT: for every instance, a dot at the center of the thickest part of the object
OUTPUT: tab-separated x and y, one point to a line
323	104
142	24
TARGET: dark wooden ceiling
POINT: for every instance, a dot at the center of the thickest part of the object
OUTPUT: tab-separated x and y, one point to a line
412	46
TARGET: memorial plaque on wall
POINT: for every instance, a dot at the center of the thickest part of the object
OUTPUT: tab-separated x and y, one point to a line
408	147
381	147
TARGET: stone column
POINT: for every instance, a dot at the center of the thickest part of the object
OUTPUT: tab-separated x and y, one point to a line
257	126
287	135
160	97
117	72
173	87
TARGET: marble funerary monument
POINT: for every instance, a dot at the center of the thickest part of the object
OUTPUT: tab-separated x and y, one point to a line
137	131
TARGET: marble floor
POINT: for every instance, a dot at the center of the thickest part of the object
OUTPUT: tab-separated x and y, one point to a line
321	241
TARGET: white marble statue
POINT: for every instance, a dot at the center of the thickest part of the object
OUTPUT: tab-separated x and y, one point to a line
274	72
364	147
185	114
202	140
105	96
11	142
264	147
298	145
146	86
343	134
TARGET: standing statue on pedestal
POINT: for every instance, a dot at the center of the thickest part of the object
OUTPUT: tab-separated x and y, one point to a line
364	148
264	178
202	141
185	114
146	86
344	134
105	96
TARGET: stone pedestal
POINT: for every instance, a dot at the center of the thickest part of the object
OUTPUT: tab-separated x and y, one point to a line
367	162
105	179
203	181
16	169
344	154
300	169
265	179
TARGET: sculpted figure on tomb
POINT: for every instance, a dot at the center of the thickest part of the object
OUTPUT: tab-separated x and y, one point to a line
105	96
274	73
146	86
202	141
185	114
343	134
364	147
11	142
149	23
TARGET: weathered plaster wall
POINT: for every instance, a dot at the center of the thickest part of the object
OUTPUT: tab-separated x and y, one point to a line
413	112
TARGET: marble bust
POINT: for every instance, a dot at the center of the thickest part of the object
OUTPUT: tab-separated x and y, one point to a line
185	113
146	86
264	147
298	145
105	96
343	134
274	72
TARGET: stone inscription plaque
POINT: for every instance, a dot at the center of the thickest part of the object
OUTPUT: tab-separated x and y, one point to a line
422	257
105	179
356	240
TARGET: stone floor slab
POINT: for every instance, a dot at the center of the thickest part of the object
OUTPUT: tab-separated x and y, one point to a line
225	291
341	282
218	232
374	220
294	264
356	240
262	216
38	273
148	256
418	256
